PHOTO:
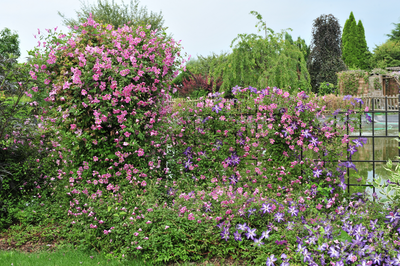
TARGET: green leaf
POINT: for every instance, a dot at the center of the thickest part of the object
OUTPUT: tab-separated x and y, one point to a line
389	164
109	208
344	236
116	215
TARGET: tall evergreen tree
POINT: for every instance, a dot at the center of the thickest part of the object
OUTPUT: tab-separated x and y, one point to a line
345	36
349	42
363	52
325	59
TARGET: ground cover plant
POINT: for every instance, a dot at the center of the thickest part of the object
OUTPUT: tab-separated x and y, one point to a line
256	177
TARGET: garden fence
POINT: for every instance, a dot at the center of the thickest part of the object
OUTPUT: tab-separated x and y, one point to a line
386	105
380	102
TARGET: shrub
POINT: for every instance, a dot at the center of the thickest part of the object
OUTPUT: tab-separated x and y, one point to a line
198	86
327	88
22	143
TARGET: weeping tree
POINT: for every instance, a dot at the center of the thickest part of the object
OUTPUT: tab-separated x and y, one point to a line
262	61
325	59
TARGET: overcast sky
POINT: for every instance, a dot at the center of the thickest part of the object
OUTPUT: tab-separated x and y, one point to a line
207	26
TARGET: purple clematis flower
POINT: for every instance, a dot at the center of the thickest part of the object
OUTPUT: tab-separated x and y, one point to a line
188	164
216	108
357	142
237	236
253	90
392	217
265	208
336	112
368	118
235	89
235	160
293	211
279	217
317	173
358	100
314	141
342	185
218	144
251	233
251	211
352	149
242	227
306	133
333	252
187	151
228	161
265	234
347	97
225	233
233	179
271	260
258	242
396	260
377	259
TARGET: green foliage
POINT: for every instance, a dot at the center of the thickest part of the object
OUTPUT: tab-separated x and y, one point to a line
363	52
300	43
20	174
395	34
288	38
117	15
325	59
377	84
263	61
203	64
354	45
327	88
9	43
391	188
304	48
350	41
350	80
386	55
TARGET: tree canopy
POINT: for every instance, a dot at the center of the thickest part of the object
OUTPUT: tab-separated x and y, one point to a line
386	55
9	43
395	34
262	61
117	15
325	59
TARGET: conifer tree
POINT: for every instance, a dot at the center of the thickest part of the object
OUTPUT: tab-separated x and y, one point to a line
349	42
363	52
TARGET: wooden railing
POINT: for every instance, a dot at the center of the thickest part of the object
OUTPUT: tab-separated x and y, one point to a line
380	102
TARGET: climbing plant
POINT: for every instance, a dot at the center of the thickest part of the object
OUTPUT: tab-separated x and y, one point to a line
350	80
377	84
